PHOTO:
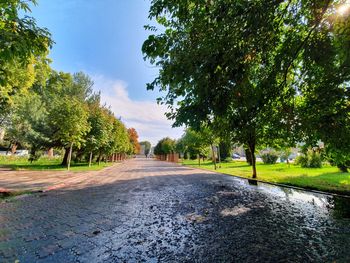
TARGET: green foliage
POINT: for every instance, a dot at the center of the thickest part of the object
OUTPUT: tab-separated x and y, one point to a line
269	157
302	160
69	118
164	146
147	146
41	108
98	136
260	71
311	159
285	152
225	149
227	160
196	143
23	47
21	37
34	156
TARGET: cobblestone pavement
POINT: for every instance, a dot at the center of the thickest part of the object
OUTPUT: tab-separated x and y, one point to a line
150	211
46	180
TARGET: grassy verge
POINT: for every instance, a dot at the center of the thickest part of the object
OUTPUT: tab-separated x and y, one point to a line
9	195
327	178
22	163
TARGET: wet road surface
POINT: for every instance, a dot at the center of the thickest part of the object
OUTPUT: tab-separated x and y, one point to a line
159	212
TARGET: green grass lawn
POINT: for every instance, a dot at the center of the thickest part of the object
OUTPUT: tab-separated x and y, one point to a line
22	163
327	178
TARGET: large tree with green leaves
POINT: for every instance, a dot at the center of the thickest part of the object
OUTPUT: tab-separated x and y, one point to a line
98	137
69	119
195	143
147	146
165	146
237	65
324	104
23	45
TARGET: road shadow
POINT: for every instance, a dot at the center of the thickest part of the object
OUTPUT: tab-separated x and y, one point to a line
200	216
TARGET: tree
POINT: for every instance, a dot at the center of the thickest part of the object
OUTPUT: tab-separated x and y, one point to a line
22	124
121	138
237	64
196	144
225	149
69	119
133	136
165	146
147	146
99	135
58	109
323	105
217	82
22	44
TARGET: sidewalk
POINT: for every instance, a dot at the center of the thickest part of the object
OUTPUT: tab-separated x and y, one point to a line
32	181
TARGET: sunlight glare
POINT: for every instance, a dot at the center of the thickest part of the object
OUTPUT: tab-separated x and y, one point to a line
344	8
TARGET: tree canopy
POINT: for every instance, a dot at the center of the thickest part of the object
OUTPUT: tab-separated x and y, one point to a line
23	49
134	141
251	68
147	146
164	146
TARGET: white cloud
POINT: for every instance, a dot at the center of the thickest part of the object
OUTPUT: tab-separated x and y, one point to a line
147	117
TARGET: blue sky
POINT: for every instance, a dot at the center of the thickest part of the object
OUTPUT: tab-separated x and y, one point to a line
103	38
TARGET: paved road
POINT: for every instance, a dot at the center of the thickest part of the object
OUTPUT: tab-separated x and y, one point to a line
150	211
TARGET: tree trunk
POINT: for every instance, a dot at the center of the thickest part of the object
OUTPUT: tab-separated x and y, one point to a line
248	156
8	148
199	160
219	156
65	157
69	156
13	148
213	157
90	159
99	159
252	153
50	153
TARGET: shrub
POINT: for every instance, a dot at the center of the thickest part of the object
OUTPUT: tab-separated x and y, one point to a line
302	160
228	159
315	160
310	160
269	157
34	156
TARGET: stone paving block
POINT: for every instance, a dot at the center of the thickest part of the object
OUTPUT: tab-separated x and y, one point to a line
150	211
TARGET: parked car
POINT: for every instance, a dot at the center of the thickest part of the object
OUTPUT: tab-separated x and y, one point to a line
22	152
236	156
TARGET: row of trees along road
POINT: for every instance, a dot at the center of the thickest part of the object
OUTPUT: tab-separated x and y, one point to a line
256	72
164	147
41	108
147	147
